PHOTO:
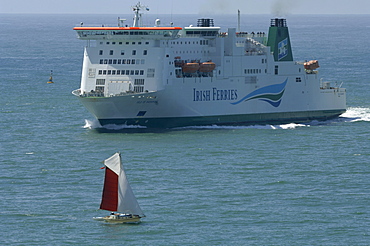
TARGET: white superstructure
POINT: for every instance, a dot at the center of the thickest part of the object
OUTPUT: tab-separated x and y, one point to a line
171	76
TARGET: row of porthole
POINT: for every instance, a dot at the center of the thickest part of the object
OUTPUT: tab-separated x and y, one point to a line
121	72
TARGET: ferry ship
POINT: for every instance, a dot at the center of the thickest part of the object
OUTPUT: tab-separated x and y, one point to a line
167	76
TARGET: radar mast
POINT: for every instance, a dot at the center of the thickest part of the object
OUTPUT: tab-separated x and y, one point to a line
137	19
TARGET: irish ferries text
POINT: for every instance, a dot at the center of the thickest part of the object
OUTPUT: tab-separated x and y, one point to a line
214	95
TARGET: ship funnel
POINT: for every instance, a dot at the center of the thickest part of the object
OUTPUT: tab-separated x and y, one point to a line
279	41
205	23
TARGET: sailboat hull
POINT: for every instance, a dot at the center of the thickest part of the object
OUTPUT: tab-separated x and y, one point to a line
119	218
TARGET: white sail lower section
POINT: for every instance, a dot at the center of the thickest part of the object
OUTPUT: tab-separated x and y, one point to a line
127	202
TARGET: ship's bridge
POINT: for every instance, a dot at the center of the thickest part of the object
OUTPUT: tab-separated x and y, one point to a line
127	33
205	32
205	28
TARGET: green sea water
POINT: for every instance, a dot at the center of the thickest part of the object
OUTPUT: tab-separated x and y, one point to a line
293	184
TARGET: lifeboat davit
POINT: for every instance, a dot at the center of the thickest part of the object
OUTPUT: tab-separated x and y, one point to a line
190	67
311	65
207	67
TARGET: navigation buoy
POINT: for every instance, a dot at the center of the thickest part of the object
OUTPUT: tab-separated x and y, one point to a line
50	81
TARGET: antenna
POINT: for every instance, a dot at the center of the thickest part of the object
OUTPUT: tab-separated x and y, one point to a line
137	19
171	13
238	20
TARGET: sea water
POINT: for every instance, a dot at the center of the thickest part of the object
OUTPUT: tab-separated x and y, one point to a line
293	184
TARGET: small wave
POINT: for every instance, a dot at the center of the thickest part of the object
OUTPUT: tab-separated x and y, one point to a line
122	127
96	125
211	127
92	124
289	126
356	114
215	127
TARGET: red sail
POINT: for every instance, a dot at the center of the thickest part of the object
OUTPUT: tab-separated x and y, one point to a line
110	191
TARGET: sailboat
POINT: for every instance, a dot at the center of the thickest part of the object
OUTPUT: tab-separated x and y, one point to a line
117	194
